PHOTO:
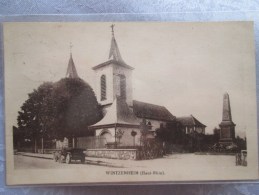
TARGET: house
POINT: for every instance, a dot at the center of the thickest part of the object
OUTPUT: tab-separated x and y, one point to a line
190	124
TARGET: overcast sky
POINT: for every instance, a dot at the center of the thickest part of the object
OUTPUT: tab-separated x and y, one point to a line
186	67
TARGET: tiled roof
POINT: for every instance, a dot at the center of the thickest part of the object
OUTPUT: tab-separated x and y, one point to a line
151	111
189	121
115	57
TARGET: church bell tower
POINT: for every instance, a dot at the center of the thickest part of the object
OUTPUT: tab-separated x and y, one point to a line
113	77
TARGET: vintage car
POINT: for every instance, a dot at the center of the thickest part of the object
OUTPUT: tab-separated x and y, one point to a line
69	154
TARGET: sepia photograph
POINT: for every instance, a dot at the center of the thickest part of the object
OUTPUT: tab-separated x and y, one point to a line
125	102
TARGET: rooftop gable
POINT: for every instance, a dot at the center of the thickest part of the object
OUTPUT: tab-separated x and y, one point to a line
189	121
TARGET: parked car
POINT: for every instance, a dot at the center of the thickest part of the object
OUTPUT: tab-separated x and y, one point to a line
68	154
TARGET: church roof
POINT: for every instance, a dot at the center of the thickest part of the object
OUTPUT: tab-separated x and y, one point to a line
118	113
123	64
189	121
114	55
151	111
71	69
114	51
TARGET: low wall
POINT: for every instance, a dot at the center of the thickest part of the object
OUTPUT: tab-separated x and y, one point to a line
124	154
215	153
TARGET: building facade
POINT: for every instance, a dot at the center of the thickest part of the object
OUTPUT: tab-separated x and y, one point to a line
190	124
122	114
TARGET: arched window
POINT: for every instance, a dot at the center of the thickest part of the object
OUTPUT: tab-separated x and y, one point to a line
123	86
103	87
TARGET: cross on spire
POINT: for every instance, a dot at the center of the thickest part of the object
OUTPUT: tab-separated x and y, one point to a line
112	27
114	50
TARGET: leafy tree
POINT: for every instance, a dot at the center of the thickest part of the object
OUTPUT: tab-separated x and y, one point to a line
32	116
171	132
57	110
76	107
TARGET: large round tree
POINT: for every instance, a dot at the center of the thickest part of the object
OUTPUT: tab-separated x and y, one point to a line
57	110
76	107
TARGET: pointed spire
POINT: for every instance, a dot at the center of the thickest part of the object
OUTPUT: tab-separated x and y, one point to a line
226	108
114	50
71	69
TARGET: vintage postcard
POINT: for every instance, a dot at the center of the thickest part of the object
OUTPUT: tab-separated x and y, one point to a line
95	103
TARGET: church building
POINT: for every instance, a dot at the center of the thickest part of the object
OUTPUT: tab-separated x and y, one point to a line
123	116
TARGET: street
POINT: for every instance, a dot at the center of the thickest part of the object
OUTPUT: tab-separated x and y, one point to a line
173	166
25	162
173	161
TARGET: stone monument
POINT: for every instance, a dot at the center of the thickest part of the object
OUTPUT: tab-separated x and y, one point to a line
227	127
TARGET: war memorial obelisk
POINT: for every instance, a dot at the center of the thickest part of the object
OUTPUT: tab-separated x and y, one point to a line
227	127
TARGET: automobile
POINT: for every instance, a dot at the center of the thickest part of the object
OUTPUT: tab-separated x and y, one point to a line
68	154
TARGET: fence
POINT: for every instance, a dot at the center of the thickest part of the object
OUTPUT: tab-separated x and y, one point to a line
91	142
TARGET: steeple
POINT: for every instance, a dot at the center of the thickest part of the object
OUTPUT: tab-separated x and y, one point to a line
71	69
113	77
114	50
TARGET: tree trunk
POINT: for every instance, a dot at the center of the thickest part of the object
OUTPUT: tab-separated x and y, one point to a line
42	145
73	142
35	145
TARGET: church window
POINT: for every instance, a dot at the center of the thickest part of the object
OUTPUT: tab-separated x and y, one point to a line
103	87
123	86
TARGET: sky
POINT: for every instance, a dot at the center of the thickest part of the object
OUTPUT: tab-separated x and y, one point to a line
186	67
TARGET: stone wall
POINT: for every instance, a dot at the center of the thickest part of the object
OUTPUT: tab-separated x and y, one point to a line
127	139
124	154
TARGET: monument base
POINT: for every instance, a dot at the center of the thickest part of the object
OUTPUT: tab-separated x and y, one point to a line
226	141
